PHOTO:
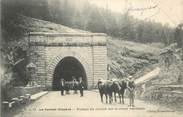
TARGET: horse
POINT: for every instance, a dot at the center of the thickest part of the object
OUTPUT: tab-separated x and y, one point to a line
123	85
116	89
105	88
119	87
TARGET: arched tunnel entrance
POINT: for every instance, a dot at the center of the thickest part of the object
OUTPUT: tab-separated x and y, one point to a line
66	69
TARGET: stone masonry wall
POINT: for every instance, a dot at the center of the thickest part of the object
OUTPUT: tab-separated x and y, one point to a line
38	57
99	63
48	51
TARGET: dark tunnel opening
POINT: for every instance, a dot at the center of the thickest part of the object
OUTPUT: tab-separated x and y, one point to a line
66	69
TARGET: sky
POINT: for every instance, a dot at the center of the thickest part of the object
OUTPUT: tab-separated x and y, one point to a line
166	11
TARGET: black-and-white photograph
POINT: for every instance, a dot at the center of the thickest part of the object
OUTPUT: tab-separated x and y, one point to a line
91	58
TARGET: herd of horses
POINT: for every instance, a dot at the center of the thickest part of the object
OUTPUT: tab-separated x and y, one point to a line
110	88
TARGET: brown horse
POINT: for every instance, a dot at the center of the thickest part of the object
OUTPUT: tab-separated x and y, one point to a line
105	88
123	85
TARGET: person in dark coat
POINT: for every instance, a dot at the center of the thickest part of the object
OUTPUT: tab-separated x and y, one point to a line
62	86
81	86
131	89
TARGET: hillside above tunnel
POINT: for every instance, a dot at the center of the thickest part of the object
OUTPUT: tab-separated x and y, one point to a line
130	58
124	57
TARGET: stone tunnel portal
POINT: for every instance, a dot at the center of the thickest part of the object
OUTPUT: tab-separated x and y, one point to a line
66	69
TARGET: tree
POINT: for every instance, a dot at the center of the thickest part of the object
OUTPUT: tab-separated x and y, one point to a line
96	22
179	35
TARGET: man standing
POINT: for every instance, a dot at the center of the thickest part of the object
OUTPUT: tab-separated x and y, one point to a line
62	86
81	86
75	85
131	89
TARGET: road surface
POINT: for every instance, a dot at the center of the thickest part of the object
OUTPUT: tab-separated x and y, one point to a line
55	105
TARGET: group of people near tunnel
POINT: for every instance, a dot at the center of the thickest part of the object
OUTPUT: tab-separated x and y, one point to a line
110	87
75	85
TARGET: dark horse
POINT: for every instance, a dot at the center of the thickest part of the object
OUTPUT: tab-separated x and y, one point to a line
105	88
108	87
119	88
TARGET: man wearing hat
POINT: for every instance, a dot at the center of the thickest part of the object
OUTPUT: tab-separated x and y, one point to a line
131	89
81	86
